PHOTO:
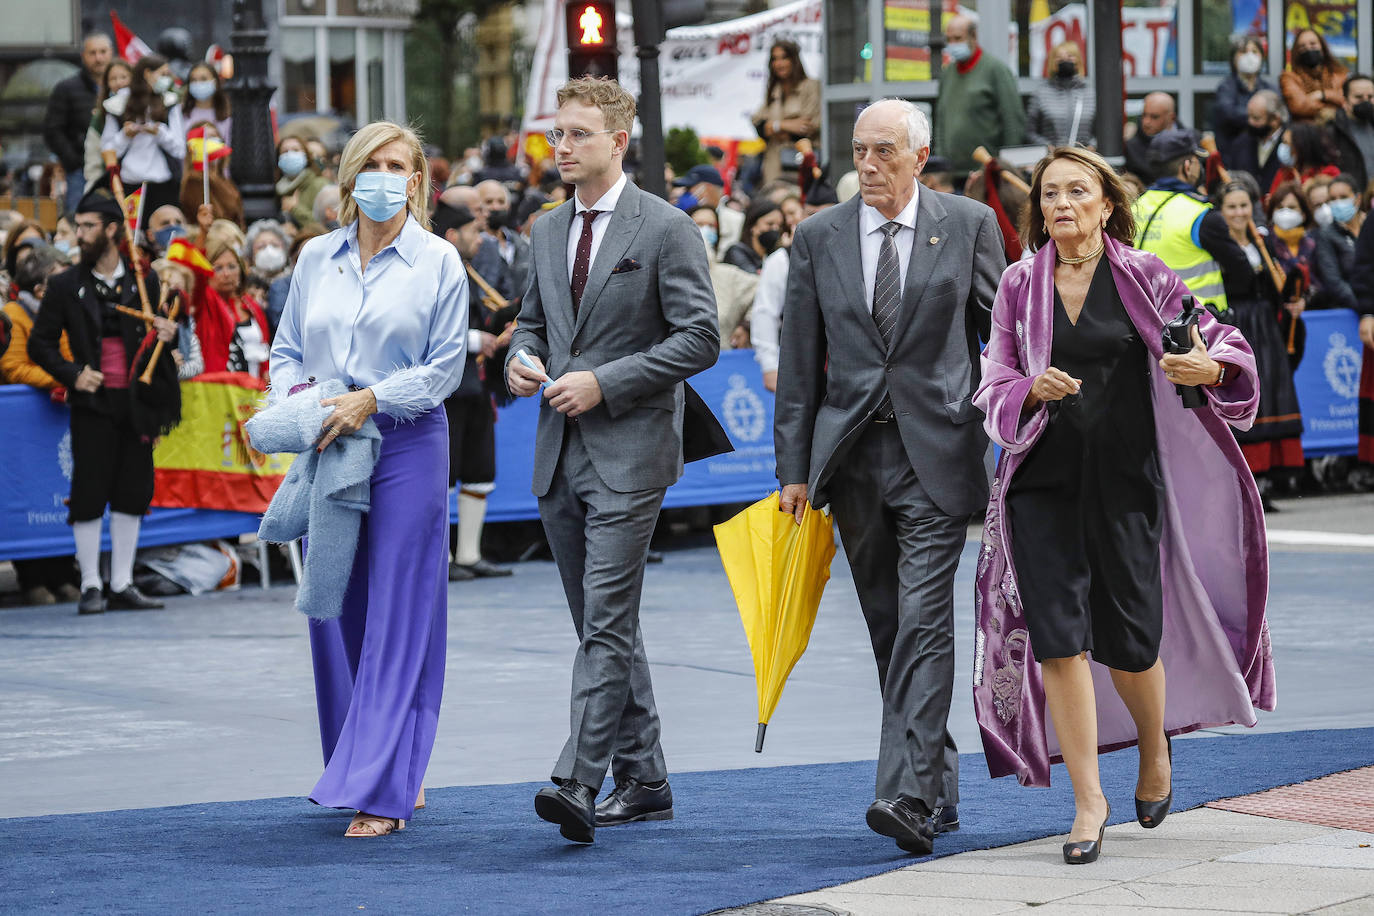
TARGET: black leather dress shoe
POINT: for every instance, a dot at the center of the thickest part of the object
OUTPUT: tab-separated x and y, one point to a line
131	599
572	807
458	573
483	569
906	820
946	819
92	602
632	800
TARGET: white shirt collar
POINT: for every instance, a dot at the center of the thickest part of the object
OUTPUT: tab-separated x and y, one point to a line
872	220
608	200
112	278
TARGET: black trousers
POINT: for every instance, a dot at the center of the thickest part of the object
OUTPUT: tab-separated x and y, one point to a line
112	464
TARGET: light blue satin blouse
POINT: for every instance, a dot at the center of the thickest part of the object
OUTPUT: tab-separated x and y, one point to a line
399	329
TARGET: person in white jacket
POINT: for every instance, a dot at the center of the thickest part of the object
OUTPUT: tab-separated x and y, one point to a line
147	134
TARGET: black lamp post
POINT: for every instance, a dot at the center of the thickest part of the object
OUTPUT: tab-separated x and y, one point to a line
250	92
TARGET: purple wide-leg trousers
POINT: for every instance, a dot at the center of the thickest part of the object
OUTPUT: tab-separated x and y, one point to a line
379	666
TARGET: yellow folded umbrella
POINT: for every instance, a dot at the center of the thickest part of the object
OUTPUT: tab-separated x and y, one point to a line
777	570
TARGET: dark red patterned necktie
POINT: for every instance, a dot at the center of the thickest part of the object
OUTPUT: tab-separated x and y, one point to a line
582	260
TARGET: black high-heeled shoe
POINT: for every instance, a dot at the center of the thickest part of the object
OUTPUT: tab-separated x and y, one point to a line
1088	850
1150	814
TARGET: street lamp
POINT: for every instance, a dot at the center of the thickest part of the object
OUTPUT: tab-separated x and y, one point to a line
250	93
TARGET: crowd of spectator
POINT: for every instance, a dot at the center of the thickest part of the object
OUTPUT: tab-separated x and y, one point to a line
1299	151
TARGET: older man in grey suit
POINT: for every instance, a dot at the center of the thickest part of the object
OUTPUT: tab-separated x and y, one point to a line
874	417
620	310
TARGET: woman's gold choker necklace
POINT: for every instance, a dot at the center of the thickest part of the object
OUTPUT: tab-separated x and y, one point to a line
1083	260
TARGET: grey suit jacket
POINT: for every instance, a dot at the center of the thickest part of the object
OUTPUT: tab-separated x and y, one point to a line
647	323
833	366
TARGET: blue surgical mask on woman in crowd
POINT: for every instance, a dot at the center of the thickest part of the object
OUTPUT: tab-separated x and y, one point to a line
380	195
291	162
164	83
201	90
710	236
1343	210
1285	154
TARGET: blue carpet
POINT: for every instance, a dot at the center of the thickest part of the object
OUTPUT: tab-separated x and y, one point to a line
740	836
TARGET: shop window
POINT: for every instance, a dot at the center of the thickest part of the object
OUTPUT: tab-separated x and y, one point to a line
906	36
1219	24
299	92
1334	20
343	81
849	51
305	7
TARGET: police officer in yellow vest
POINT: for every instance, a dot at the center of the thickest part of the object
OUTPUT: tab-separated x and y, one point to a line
1177	224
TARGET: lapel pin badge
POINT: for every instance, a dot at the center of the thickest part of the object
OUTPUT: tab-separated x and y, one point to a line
934	240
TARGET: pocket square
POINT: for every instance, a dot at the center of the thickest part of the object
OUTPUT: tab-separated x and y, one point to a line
626	265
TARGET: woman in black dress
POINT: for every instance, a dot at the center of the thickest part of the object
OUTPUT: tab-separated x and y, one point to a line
1273	446
1086	504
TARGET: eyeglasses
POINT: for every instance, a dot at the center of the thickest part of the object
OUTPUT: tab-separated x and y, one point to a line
575	136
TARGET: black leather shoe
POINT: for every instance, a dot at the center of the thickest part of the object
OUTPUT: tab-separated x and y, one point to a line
1150	814
1086	852
632	800
906	820
483	570
92	602
946	819
458	573
131	599
572	807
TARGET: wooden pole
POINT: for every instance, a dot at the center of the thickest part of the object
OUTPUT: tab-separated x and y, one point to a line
983	157
147	376
112	166
493	300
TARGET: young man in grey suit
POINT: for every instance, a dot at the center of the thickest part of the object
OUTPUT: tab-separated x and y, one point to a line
874	417
620	310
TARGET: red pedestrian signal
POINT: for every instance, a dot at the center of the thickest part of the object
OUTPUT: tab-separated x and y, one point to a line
591	35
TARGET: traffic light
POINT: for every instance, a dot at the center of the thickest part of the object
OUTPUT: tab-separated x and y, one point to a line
592	47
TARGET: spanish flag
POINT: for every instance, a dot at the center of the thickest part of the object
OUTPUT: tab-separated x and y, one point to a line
206	462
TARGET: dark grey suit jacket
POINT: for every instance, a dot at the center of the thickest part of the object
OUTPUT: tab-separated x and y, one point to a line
647	323
833	366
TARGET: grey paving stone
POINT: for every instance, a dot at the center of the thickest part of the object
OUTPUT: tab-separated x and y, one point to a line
1049	861
1310	853
1251	898
1247	876
1360	906
888	905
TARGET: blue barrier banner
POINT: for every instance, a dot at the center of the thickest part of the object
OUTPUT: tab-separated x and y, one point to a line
37	481
732	388
1328	382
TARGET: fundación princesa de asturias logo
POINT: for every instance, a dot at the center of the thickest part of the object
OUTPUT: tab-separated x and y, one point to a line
745	416
1342	367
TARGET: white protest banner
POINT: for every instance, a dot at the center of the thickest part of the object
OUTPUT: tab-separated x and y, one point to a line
1149	38
713	77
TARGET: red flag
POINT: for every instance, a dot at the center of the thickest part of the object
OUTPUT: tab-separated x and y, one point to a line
131	47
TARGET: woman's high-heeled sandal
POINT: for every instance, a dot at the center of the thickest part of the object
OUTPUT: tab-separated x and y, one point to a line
1088	850
1150	814
366	826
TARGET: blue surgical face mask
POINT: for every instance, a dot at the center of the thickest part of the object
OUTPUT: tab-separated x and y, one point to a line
380	195
63	246
291	162
163	83
163	237
710	237
202	89
959	51
1343	210
1285	154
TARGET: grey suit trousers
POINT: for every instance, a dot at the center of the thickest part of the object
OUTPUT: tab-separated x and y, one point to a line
600	541
904	552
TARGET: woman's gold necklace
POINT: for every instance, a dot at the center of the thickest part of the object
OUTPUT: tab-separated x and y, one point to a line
1083	260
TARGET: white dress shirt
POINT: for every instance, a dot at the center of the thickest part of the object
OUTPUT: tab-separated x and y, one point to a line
765	318
871	223
141	158
399	329
605	205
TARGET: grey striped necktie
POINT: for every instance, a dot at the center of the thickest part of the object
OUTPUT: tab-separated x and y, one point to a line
887	298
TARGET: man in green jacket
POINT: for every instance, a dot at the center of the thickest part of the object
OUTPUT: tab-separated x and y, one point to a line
978	103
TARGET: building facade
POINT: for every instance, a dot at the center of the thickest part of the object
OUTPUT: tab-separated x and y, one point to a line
880	48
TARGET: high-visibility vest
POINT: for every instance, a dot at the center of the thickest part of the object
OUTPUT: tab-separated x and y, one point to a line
1164	226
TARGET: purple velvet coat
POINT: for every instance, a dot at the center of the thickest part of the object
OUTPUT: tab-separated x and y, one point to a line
1213	554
